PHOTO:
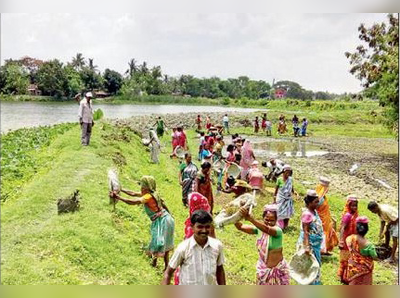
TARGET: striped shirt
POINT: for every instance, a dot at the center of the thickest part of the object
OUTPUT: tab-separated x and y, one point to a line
198	264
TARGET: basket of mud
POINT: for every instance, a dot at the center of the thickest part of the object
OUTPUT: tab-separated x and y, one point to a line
230	213
303	268
383	252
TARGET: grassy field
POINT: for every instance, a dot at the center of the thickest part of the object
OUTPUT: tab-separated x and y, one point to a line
99	246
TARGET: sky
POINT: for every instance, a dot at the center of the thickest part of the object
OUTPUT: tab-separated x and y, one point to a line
305	48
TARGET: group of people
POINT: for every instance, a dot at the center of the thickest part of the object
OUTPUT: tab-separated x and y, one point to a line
297	129
266	125
199	259
209	126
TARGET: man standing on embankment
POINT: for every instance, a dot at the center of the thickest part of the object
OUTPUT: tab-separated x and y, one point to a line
85	114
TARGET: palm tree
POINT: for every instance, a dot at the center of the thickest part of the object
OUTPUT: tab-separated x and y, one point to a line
132	67
156	72
91	65
78	61
143	68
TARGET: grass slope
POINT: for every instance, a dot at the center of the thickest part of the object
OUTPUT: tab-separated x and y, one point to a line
98	246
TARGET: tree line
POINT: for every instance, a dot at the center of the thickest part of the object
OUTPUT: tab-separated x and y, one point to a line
64	80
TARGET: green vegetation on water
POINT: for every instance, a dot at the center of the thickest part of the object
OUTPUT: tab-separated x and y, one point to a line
96	245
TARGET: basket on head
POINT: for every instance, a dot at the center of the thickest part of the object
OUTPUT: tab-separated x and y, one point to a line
303	268
233	170
180	152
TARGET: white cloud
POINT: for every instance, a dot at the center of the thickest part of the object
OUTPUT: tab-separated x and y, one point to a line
306	48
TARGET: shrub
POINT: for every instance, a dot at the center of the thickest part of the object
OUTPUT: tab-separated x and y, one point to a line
226	101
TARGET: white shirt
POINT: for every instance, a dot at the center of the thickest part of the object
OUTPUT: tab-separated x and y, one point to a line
198	265
277	167
225	119
85	111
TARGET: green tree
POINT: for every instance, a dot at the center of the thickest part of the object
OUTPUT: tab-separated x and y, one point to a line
32	65
91	65
132	67
112	81
74	81
2	79
91	79
15	78
78	62
293	90
52	79
375	64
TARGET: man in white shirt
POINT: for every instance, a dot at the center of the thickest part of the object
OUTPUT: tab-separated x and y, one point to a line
200	257
85	114
225	121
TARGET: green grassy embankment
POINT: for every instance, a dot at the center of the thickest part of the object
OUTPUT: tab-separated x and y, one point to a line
98	246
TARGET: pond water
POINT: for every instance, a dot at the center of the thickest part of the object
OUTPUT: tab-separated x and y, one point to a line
16	115
265	147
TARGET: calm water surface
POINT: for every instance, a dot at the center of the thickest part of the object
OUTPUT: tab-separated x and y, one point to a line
16	115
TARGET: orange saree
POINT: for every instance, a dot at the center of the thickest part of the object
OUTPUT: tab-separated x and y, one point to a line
331	238
360	267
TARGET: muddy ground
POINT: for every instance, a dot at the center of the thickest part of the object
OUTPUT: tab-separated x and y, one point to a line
376	159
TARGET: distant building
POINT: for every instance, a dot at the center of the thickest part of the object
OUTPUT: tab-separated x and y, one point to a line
34	90
101	94
280	93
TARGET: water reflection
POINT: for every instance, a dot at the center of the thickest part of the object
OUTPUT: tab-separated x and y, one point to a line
267	147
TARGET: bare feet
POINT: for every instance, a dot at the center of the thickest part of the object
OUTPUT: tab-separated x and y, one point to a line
154	261
390	260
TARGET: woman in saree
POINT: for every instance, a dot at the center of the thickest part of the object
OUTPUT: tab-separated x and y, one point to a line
246	160
347	228
362	255
331	238
311	231
283	197
182	139
160	127
174	140
281	125
187	177
162	223
272	268
203	184
155	146
256	177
